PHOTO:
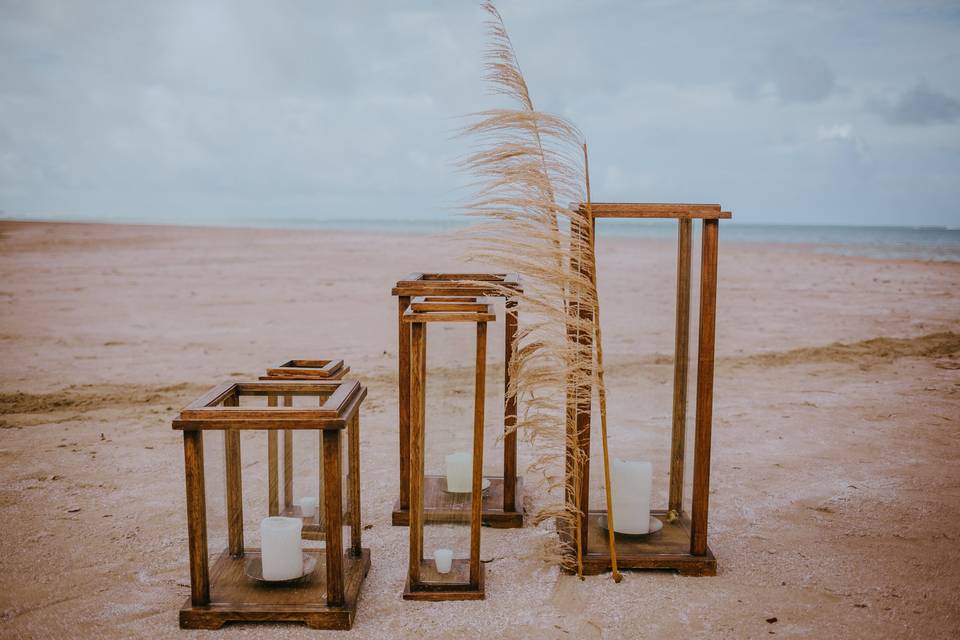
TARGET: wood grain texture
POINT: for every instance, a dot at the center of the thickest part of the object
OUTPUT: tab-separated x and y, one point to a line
666	549
234	488
403	389
306	369
456	284
273	472
236	598
579	406
685	549
704	417
437	506
476	489
340	398
455	585
416	587
353	484
487	315
333	504
658	210
510	501
462	292
196	517
418	366
224	593
680	367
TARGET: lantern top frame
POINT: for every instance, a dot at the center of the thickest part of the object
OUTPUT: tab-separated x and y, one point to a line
457	284
307	369
341	400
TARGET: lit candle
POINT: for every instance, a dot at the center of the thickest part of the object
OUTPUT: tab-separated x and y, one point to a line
460	472
308	506
280	551
443	558
630	482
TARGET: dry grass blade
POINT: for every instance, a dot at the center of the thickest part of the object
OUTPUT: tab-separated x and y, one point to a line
525	164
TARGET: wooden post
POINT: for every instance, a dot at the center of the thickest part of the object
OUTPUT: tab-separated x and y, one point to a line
418	368
403	377
680	368
509	410
704	418
273	467
333	504
288	461
196	517
476	498
321	492
231	456
579	402
353	462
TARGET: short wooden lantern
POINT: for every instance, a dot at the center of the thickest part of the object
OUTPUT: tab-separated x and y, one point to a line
325	598
299	369
464	581
503	503
682	543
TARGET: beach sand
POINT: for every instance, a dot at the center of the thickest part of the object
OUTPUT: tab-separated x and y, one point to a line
835	490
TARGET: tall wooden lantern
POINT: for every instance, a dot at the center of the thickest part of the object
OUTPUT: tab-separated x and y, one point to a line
503	503
323	592
681	544
446	578
299	369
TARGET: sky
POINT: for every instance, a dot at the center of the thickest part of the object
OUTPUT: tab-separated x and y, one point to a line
232	111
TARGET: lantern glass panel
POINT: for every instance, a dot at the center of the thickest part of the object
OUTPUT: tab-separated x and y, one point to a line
448	451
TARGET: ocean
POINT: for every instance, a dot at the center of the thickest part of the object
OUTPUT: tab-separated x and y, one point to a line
941	244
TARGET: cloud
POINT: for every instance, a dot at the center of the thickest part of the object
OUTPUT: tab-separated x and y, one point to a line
790	77
850	149
207	110
923	105
834	132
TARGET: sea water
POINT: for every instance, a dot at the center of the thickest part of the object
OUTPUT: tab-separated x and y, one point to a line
885	242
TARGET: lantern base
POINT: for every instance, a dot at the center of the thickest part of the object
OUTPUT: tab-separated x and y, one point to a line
437	508
234	597
667	549
454	585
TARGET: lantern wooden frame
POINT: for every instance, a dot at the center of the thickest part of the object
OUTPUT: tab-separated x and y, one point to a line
298	369
682	543
327	599
503	504
465	581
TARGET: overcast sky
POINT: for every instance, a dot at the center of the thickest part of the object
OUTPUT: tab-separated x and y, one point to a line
203	110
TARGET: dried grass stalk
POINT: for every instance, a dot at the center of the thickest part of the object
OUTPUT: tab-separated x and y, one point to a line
525	164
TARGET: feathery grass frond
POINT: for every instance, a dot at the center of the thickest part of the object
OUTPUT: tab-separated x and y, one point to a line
527	166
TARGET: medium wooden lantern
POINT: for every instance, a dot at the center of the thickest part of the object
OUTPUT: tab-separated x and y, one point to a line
681	544
230	589
299	369
465	579
503	503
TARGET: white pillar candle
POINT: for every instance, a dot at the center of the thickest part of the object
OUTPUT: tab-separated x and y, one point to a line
460	472
280	548
443	558
308	506
630	483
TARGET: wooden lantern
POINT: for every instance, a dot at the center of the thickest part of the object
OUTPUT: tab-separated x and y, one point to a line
503	504
465	580
327	597
299	369
682	543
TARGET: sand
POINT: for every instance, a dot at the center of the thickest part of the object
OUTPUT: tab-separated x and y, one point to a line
835	498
